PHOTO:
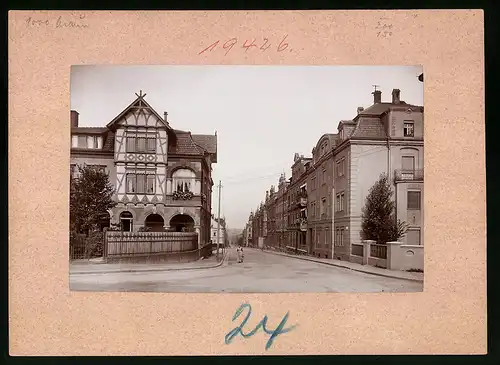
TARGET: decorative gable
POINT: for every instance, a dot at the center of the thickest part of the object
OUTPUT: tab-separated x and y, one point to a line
138	113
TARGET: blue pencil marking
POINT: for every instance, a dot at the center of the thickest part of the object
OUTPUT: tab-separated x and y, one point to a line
262	324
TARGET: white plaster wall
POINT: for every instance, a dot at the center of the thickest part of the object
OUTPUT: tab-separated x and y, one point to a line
120	172
367	163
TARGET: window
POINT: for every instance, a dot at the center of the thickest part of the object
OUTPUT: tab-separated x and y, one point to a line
152	145
324	176
82	141
313	183
130	144
323	206
141	183
414	200
339	237
408	129
413	237
144	143
341	167
340	202
313	209
141	144
326	237
183	180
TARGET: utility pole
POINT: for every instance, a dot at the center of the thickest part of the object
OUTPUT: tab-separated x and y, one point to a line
218	221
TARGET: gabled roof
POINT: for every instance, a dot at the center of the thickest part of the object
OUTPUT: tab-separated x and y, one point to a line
139	102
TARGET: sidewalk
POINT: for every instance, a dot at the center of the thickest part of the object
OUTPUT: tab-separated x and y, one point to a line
405	275
98	266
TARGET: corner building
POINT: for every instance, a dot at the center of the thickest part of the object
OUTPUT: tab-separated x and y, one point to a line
161	175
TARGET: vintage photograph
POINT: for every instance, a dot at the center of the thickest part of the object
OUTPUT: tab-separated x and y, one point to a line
246	179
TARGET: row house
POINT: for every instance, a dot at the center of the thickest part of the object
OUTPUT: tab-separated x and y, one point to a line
162	176
270	214
297	203
319	209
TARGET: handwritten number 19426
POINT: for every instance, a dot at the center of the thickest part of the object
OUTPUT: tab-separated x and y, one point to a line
248	45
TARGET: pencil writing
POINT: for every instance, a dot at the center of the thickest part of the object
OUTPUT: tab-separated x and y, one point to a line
249	44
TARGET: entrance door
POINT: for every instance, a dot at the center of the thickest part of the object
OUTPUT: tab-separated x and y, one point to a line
126	220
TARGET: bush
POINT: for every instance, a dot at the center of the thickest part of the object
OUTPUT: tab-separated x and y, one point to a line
95	244
379	221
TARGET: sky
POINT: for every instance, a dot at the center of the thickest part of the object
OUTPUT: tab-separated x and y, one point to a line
262	114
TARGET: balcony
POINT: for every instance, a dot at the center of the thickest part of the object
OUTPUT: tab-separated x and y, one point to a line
301	224
302	202
409	175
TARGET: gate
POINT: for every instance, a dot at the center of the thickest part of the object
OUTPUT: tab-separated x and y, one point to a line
83	247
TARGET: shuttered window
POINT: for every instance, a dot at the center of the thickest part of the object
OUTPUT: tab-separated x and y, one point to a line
151	144
130	144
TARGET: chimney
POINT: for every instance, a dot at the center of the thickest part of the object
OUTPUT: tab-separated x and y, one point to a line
395	96
360	109
74	118
377	97
165	117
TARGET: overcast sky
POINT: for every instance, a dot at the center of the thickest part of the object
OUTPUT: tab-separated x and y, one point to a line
262	114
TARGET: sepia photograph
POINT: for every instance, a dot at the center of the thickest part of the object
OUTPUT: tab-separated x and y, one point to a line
246	179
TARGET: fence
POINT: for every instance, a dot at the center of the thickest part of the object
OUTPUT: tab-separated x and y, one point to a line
151	245
392	255
378	251
86	247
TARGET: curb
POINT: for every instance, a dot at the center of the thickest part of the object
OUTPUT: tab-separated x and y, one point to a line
345	267
151	270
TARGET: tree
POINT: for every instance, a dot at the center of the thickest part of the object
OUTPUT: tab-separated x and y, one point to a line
379	220
90	196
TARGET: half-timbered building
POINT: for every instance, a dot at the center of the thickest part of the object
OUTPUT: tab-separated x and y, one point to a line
161	175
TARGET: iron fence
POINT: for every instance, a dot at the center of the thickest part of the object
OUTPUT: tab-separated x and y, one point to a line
378	251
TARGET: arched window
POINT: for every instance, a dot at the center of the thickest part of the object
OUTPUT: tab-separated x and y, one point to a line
183	180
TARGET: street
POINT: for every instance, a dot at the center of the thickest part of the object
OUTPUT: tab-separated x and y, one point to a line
261	272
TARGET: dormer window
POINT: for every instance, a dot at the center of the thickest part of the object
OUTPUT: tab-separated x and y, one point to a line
82	141
341	134
408	129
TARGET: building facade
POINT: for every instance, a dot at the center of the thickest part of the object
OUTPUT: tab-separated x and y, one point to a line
385	138
218	232
161	175
321	198
319	209
297	203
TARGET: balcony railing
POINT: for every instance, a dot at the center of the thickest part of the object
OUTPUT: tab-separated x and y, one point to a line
302	202
409	175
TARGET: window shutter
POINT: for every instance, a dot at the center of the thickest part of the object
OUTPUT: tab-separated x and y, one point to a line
140	183
130	144
151	144
141	144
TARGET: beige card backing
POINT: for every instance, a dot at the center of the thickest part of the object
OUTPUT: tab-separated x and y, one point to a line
449	317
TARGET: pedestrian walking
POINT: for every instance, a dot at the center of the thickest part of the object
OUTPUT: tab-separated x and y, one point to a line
239	252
